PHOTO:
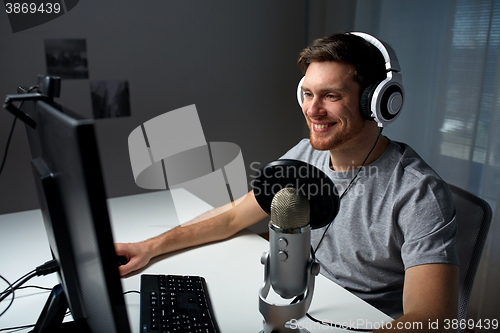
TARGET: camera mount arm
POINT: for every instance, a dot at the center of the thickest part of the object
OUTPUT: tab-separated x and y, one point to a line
48	88
9	106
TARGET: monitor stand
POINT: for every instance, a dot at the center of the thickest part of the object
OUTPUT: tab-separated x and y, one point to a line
53	313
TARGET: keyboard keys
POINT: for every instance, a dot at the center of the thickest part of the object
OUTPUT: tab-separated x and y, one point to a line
176	304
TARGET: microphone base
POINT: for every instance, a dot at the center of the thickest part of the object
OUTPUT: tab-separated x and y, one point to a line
277	317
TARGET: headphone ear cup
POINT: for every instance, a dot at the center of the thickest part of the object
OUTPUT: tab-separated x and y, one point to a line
365	101
391	102
300	93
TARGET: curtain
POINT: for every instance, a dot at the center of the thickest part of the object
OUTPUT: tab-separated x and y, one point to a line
449	54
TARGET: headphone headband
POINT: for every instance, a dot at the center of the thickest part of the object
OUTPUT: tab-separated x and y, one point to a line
391	60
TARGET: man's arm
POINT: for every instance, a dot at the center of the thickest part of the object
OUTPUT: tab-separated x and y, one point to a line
217	224
430	294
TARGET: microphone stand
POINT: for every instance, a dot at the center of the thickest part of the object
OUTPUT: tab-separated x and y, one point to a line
276	316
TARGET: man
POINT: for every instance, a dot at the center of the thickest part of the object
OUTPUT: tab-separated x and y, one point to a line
392	242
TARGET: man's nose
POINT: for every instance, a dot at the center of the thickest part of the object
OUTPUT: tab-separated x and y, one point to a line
314	107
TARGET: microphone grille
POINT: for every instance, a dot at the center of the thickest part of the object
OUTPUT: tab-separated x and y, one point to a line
289	209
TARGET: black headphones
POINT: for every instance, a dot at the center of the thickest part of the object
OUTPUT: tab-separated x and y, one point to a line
381	101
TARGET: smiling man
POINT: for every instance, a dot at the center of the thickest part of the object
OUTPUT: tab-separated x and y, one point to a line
331	109
393	242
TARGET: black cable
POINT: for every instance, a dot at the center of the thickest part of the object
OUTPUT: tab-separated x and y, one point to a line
22	277
7	145
313	253
338	325
131	291
12	300
349	186
49	267
10	289
16	286
11	132
36	287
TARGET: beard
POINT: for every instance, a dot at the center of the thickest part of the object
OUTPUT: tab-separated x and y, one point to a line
337	138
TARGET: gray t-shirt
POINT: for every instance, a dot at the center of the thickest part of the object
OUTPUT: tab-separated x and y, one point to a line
397	214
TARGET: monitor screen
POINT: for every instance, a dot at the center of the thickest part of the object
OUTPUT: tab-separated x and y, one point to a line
69	181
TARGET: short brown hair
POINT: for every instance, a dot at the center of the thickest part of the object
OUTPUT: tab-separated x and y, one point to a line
367	60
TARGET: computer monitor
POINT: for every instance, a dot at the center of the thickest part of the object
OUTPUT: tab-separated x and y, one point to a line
71	192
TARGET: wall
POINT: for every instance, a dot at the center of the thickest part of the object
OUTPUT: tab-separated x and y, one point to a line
236	60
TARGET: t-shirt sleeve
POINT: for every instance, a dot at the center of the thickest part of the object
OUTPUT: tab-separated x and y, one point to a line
426	216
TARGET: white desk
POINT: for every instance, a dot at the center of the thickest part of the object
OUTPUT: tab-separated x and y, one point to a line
232	268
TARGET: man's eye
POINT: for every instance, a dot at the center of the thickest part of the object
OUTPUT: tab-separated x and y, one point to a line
308	95
331	97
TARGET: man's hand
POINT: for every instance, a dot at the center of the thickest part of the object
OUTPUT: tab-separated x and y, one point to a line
137	255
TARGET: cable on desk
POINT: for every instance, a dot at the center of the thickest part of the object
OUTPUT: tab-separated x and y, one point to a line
300	297
12	300
12	286
43	290
49	267
36	287
338	325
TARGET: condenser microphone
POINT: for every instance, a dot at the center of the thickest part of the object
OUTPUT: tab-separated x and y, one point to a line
288	269
290	241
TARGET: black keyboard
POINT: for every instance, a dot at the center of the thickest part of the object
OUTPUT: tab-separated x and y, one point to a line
175	303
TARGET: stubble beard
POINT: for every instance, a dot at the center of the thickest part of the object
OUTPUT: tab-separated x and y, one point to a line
336	139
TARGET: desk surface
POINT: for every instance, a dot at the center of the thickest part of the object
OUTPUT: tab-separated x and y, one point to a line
231	268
